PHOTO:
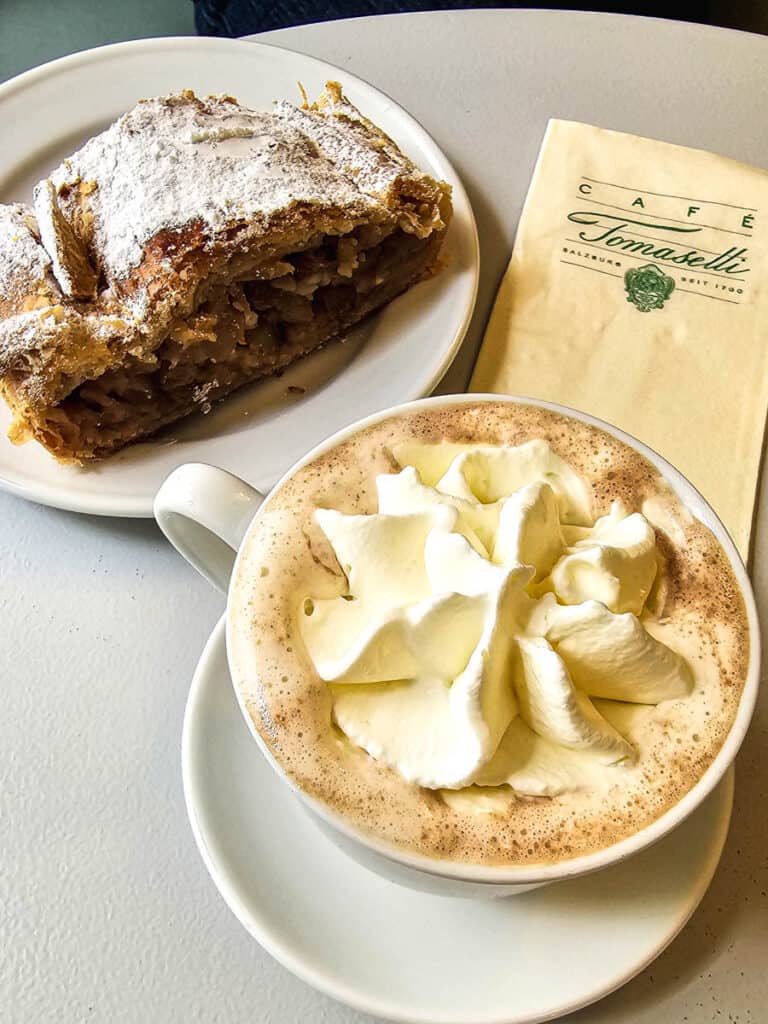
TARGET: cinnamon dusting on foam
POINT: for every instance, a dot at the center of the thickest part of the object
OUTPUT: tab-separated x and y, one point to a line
700	612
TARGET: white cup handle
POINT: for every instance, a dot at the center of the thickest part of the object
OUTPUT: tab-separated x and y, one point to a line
204	512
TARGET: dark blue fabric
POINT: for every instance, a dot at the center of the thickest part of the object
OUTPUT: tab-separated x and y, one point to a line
242	17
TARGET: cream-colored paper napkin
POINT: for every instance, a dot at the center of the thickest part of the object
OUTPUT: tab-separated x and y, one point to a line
638	292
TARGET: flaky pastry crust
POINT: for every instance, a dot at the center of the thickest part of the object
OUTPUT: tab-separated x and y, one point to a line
195	246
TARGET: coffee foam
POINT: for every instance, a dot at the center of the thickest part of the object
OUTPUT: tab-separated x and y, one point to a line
697	607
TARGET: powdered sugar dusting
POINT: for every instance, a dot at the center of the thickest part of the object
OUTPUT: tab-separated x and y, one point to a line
41	342
174	160
24	263
366	156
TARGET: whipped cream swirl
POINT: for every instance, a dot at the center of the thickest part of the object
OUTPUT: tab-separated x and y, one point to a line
490	631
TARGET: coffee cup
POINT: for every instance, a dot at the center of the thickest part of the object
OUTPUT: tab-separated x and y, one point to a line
209	515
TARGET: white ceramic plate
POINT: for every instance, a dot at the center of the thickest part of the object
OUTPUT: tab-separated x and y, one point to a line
258	433
404	955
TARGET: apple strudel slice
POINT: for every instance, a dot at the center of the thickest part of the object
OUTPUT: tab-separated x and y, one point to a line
196	246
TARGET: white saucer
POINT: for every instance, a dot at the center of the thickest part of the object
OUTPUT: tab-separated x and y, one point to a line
403	955
398	355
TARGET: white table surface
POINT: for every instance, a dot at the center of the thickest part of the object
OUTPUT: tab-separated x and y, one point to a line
107	911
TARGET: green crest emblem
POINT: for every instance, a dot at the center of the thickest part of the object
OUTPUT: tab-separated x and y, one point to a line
648	287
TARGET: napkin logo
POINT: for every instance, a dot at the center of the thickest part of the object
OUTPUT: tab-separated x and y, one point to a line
605	230
648	287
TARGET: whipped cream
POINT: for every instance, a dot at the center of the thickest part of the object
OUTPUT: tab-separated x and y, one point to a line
485	608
